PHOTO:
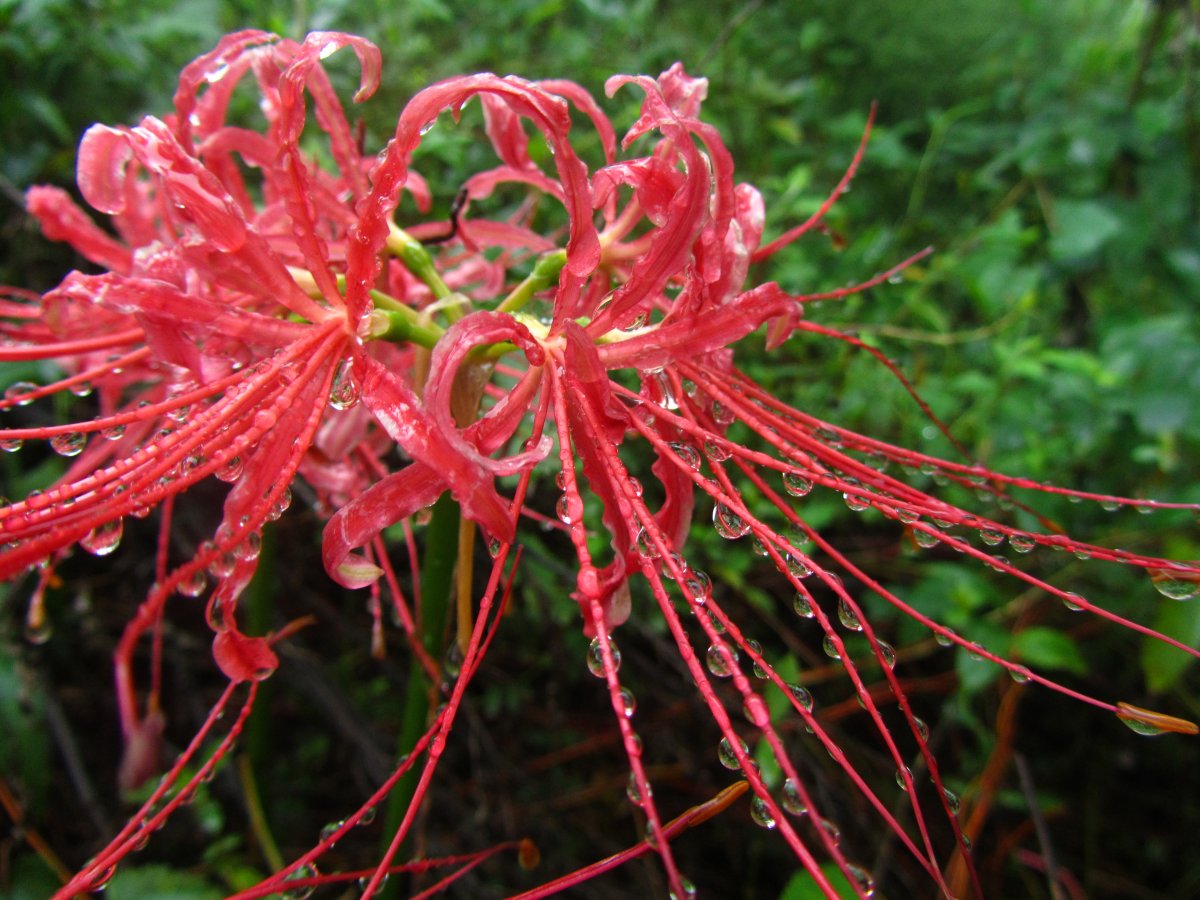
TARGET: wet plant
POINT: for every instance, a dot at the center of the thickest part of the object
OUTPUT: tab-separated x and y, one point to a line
280	312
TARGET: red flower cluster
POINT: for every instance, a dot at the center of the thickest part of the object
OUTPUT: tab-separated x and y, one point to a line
263	318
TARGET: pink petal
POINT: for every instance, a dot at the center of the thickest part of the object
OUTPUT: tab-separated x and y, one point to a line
243	658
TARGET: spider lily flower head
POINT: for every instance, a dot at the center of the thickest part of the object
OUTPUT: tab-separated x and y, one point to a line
600	350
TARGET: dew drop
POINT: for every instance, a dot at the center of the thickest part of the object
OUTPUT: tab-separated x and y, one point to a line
81	389
687	453
803	606
721	414
330	830
761	813
1071	604
991	537
632	791
944	638
689	890
699	585
830	647
646	547
727	756
344	391
901	775
721	659
888	653
796	484
728	524
103	539
716	452
452	660
922	728
231	470
194	584
69	444
11	445
847	616
18	392
595	657
1174	585
802	695
1021	543
856	502
907	516
860	876
628	702
926	539
1020	674
301	892
952	800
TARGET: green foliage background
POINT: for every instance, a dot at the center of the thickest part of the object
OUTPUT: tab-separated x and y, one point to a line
1048	149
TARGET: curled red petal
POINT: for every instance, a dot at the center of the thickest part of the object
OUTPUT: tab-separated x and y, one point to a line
384	503
104	154
243	658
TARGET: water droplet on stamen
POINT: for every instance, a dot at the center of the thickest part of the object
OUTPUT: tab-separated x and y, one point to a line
687	453
721	659
1175	585
761	813
11	445
729	524
19	388
796	484
70	444
727	756
847	616
595	657
103	539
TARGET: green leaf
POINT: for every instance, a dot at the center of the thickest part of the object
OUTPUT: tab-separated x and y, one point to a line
803	886
1046	648
1162	664
159	881
1081	228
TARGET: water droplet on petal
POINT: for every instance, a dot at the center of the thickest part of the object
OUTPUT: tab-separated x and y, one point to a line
344	391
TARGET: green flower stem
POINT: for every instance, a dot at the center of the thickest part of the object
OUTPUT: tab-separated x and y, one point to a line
545	274
437	585
419	261
402	326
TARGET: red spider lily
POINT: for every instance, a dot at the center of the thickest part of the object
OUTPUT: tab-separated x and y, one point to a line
238	323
